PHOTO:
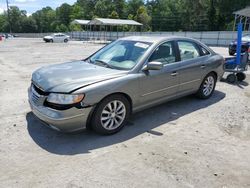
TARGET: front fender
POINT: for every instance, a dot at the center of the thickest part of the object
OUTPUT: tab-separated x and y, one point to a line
128	85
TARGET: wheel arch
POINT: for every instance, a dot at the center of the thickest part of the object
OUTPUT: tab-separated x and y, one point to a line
123	94
214	73
115	93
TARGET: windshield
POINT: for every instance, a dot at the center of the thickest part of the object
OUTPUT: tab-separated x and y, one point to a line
122	54
246	37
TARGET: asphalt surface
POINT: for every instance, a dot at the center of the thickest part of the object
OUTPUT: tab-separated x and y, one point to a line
184	143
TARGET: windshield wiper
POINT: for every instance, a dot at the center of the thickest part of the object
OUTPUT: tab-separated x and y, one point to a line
104	63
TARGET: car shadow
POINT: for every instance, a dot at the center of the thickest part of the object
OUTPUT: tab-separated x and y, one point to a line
141	122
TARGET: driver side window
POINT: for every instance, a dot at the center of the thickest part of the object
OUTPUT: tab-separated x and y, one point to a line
164	53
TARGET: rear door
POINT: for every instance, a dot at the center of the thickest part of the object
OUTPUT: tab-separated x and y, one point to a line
192	66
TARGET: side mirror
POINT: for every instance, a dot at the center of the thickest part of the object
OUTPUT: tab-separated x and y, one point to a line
153	66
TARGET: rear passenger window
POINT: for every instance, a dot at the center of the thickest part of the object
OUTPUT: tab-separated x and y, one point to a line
204	51
188	50
164	54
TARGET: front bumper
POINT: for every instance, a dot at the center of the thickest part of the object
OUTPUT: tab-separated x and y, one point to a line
70	120
47	40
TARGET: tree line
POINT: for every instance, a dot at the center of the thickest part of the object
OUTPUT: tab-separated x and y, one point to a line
155	15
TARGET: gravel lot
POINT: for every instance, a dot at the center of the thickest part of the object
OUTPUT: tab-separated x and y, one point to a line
183	143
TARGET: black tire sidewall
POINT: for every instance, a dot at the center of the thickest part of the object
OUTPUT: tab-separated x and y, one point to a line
240	76
96	117
200	92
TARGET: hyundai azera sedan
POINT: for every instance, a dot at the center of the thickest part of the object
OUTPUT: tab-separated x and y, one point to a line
123	77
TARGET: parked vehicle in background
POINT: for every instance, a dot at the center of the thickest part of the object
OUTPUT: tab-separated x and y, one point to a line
125	76
6	35
2	37
245	45
56	37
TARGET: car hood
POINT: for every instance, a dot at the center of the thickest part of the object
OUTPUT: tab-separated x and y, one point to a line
66	77
244	41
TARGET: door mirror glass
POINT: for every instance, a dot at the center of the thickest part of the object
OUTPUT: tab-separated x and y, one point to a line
153	66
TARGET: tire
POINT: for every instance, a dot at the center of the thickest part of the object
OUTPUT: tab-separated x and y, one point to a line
231	78
231	53
65	40
51	40
241	76
106	120
207	86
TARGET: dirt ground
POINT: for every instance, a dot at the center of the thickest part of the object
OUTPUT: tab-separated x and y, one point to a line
183	143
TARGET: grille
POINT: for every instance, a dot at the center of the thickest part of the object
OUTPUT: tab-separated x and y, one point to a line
34	96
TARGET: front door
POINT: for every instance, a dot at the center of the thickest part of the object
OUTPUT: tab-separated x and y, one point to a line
156	85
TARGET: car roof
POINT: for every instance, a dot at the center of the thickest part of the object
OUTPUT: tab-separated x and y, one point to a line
155	39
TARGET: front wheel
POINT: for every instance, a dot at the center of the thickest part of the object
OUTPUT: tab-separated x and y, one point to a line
66	40
207	87
111	114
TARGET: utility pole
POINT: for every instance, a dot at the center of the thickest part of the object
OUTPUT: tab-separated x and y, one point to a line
8	12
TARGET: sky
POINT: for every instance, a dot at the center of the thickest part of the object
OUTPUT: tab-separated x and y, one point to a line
32	6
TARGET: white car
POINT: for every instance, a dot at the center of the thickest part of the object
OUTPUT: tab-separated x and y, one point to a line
56	37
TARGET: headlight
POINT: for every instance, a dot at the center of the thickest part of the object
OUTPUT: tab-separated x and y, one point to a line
57	98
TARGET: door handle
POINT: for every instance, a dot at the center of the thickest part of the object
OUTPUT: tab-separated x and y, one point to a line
174	74
203	66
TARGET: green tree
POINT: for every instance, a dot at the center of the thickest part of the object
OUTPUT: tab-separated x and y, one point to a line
212	16
88	7
15	19
77	12
133	6
102	8
45	19
143	17
63	14
119	7
28	25
3	23
114	15
61	28
75	27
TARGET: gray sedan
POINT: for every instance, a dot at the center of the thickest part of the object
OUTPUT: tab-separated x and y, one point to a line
125	76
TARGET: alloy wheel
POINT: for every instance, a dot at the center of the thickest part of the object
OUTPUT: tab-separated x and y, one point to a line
208	85
113	115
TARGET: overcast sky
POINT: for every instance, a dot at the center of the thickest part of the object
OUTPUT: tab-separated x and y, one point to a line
33	5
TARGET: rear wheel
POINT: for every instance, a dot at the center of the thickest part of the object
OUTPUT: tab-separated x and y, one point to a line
111	114
207	87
